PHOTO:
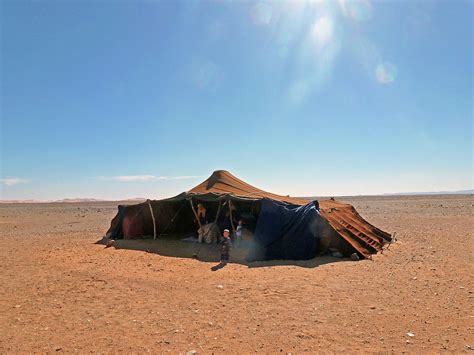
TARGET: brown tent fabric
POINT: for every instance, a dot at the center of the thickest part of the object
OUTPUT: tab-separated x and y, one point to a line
222	182
360	234
365	238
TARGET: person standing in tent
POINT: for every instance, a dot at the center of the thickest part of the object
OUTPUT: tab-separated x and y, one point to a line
201	212
238	233
225	247
227	219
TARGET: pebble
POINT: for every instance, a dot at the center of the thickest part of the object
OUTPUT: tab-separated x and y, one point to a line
220	287
411	335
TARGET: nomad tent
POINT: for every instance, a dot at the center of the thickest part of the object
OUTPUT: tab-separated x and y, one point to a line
282	227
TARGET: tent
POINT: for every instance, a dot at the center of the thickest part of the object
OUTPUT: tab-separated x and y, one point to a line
285	227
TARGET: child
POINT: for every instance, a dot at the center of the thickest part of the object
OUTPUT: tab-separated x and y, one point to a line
238	234
225	246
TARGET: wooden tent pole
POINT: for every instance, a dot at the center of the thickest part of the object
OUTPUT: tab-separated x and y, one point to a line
231	218
218	211
172	220
195	213
197	217
153	217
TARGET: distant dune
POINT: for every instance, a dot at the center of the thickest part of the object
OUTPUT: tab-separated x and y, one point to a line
75	200
141	199
460	192
433	193
72	200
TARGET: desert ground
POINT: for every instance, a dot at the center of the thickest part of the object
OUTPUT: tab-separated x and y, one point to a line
60	291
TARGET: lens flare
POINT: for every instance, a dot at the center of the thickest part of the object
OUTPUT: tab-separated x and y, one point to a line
385	73
359	10
261	14
323	30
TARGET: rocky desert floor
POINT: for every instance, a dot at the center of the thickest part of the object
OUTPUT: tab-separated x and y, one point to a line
62	292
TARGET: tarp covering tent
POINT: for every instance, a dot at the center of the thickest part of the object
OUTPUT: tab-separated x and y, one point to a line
286	231
294	234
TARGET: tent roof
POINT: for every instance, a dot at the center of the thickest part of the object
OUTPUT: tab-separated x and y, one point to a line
223	183
364	237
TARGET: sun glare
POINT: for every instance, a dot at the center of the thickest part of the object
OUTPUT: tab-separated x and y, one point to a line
323	30
359	10
261	13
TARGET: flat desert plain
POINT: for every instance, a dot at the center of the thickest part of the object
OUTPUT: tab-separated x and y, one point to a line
62	292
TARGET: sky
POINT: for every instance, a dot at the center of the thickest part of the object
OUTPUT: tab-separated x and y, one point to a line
123	99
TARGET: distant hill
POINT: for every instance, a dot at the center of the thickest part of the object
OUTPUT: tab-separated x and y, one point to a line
142	199
20	201
75	200
433	193
460	192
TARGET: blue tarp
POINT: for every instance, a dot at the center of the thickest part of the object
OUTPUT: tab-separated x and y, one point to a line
286	231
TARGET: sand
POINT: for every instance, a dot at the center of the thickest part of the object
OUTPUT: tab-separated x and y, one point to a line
62	292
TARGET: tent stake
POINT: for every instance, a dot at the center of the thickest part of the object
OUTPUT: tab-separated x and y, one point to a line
152	217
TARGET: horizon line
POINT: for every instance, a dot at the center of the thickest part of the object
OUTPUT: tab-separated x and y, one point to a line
385	194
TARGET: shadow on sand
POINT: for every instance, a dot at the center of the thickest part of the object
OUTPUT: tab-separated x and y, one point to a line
173	247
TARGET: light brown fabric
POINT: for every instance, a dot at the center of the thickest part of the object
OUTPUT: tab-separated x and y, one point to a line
222	182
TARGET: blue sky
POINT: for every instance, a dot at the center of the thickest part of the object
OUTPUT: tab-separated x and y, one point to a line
121	99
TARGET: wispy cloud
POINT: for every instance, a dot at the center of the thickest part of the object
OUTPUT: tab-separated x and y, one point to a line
144	178
14	181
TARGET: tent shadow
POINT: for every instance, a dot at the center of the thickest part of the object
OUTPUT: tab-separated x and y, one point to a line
210	253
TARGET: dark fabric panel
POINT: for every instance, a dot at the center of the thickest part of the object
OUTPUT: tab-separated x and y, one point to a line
115	230
286	231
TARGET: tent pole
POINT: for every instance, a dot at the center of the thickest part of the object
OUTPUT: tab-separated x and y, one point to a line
195	213
231	218
153	217
197	217
218	211
172	220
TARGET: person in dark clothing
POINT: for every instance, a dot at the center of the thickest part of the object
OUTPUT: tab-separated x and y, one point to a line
225	220
225	246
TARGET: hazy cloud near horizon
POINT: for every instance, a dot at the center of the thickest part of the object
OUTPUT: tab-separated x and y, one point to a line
144	178
14	181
